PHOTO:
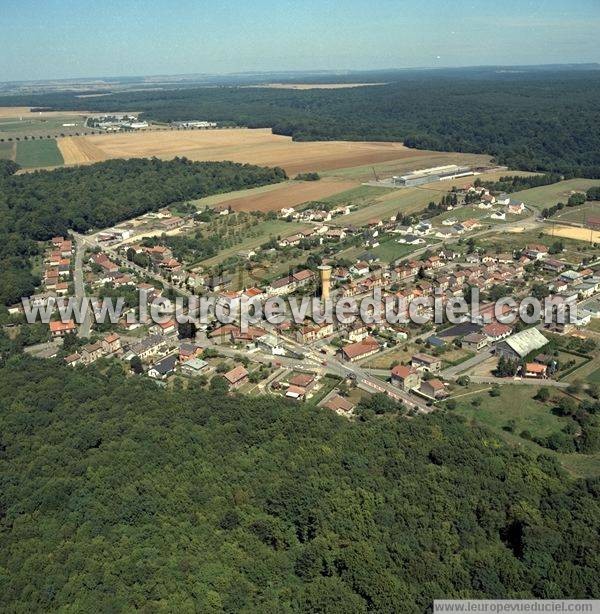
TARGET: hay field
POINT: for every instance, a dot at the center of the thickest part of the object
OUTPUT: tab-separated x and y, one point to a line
255	146
289	195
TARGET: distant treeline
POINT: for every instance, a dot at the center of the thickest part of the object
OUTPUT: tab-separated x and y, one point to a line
536	121
36	206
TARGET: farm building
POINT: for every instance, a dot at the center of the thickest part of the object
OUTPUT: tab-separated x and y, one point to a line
517	346
428	175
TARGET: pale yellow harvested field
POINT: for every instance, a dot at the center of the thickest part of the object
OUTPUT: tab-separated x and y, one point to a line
79	151
254	146
314	86
10	112
579	234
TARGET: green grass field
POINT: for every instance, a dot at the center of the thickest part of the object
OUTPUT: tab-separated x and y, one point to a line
391	250
7	151
577	215
35	126
549	195
517	403
40	153
594	326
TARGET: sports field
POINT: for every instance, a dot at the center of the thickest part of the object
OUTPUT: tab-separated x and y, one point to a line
255	146
38	154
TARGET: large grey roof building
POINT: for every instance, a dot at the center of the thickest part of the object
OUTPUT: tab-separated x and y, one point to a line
517	346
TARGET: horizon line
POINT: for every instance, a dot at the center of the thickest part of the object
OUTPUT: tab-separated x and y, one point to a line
332	71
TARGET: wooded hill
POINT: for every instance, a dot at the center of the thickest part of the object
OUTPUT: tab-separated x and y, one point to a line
116	494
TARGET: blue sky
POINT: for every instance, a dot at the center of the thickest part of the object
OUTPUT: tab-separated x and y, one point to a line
80	38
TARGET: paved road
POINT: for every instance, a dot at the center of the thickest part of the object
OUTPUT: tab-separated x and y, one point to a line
78	282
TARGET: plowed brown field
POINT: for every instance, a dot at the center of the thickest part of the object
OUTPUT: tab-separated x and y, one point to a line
290	195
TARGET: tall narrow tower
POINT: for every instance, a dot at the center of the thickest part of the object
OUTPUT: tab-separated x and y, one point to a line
325	271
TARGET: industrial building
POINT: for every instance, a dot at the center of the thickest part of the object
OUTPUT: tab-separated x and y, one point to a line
429	175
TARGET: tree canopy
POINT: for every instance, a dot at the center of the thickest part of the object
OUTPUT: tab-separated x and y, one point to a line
117	494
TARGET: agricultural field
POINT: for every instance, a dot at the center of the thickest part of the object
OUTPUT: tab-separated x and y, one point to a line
217	199
413	159
577	215
19	122
549	195
405	201
38	154
7	151
289	194
357	197
255	146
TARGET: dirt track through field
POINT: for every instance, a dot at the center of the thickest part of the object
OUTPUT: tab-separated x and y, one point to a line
257	146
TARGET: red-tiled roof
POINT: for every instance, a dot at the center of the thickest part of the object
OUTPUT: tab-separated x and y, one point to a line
236	374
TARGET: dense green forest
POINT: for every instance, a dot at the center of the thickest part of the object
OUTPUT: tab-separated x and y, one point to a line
37	206
116	494
545	120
